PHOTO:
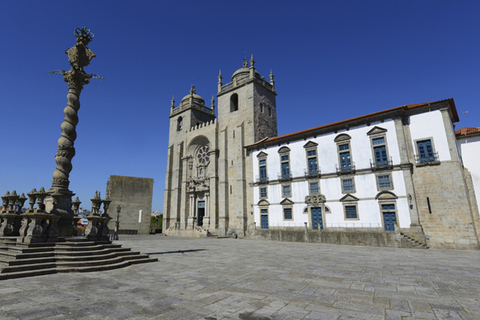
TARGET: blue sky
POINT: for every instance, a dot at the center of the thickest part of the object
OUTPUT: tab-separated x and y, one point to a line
332	60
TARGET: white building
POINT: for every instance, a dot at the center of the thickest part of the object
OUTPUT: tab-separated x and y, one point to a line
393	170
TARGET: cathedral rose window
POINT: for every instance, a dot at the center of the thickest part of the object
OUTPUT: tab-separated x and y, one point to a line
202	155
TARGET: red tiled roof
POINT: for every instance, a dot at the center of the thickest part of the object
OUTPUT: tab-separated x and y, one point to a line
466	131
404	107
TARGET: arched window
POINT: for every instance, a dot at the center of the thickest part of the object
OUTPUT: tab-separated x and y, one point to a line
179	123
234	102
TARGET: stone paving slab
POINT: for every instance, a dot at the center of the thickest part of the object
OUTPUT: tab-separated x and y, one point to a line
220	279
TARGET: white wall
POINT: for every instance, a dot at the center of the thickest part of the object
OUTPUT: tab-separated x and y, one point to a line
430	125
470	152
365	183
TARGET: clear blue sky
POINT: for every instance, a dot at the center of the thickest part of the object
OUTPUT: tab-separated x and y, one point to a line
332	60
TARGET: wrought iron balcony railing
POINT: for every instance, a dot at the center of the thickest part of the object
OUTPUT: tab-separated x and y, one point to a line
427	158
381	164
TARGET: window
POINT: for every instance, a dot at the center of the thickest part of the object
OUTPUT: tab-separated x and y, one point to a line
425	151
261	107
233	102
384	182
348	185
286	190
284	153
287	214
345	160
312	162
179	123
380	152
263	192
264	218
269	111
263	169
351	212
285	166
314	187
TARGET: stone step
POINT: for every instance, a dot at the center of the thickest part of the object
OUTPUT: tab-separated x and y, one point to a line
30	261
103	256
26	267
28	273
75	253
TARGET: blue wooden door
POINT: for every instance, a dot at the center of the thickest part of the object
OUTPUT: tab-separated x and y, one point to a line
317	218
389	221
380	155
425	151
264	221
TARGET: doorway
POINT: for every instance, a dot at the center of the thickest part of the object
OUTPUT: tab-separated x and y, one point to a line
317	218
200	213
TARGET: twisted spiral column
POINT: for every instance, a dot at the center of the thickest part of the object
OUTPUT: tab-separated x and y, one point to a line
66	150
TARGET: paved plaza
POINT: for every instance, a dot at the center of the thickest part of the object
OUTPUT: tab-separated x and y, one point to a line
213	279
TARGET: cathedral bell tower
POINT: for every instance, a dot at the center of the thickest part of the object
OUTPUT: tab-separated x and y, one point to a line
246	114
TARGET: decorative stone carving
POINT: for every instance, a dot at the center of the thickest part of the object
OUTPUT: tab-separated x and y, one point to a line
315	199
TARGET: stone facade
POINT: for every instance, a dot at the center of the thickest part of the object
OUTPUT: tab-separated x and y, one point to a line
134	196
208	173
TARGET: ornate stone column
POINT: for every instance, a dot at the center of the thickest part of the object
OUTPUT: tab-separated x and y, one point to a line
79	56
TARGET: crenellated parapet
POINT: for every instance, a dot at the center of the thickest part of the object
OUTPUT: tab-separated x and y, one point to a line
202	125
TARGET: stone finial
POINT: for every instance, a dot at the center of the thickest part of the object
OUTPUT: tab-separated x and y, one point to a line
245	63
220	81
192	90
21	202
41	194
173	102
32	196
13	200
213	104
5	198
76	205
272	83
252	62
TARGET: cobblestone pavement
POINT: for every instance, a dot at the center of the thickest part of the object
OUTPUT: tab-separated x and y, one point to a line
213	279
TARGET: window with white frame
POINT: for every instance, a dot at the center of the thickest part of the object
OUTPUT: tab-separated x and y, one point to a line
312	162
286	190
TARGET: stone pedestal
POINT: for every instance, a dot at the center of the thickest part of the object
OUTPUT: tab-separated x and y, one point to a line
10	224
38	227
190	222
97	229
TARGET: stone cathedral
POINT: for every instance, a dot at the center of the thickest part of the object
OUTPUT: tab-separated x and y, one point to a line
208	173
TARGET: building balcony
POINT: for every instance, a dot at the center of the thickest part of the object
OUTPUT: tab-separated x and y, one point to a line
379	165
261	179
345	169
312	173
284	176
427	159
